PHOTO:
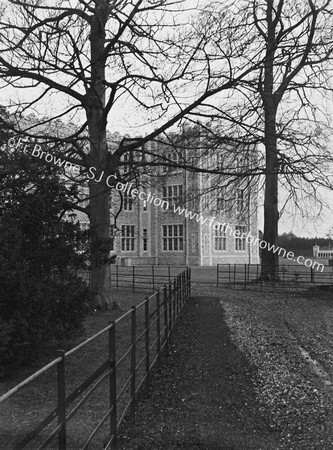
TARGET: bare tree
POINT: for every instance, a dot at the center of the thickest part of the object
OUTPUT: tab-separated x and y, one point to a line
94	55
284	103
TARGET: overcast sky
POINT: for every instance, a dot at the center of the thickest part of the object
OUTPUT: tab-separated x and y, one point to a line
124	118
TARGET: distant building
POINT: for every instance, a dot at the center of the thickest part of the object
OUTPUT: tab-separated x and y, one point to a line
324	252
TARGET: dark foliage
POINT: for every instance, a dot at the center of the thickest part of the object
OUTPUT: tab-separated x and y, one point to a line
42	297
301	246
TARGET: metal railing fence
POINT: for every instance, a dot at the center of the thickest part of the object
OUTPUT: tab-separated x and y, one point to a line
139	278
289	275
150	324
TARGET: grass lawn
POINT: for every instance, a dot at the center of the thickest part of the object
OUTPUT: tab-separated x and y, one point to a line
22	412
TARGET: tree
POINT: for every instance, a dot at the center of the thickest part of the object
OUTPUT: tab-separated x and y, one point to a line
42	297
283	104
94	54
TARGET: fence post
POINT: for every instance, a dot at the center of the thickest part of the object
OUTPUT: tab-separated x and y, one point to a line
61	388
189	282
180	291
245	275
117	269
174	300
170	306
147	337
158	327
175	291
133	362
166	323
169	274
217	275
133	280
179	296
186	284
183	288
113	381
153	274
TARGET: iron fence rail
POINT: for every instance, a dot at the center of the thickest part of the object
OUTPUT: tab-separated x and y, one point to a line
160	312
287	275
142	277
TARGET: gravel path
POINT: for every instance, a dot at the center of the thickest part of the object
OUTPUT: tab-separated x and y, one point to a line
204	397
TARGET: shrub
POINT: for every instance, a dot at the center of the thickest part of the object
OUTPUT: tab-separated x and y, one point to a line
42	299
34	313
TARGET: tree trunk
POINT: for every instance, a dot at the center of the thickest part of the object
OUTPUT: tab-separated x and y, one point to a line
269	263
99	206
100	281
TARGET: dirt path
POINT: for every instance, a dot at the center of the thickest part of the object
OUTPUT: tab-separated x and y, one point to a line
202	398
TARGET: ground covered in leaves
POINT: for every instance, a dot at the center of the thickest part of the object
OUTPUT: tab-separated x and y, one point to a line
246	370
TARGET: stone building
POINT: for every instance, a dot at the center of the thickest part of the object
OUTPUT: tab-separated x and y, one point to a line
181	217
178	216
323	253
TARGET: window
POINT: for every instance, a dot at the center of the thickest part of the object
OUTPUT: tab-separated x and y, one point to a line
144	202
205	201
219	161
145	239
193	161
112	237
173	194
240	232
173	238
238	164
206	243
138	156
241	164
220	201
240	200
174	157
171	158
127	238
220	238
127	160
128	201
193	243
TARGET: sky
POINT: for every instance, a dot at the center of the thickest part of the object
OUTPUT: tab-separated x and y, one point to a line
125	119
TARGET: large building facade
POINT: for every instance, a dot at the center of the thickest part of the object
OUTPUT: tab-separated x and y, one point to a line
183	217
186	210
